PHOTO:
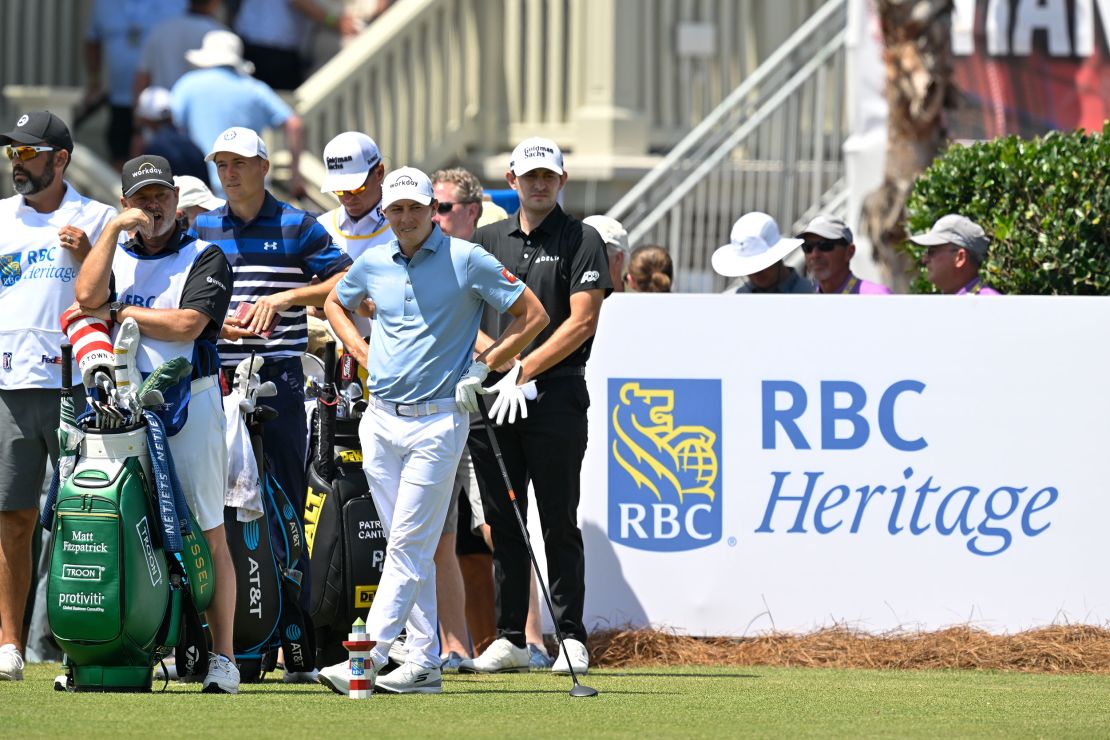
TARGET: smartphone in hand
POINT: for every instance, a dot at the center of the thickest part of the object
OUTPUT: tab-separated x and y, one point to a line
241	314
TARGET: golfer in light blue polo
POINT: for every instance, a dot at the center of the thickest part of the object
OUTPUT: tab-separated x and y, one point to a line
428	291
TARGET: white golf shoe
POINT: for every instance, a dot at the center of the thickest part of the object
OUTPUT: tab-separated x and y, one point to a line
338	677
500	657
11	663
223	676
410	678
579	658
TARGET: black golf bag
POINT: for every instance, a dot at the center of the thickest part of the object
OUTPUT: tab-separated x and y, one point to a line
345	538
268	586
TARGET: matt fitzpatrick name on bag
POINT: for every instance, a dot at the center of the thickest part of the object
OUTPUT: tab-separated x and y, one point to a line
83	542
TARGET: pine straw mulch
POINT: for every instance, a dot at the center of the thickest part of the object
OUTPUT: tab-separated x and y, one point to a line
1055	649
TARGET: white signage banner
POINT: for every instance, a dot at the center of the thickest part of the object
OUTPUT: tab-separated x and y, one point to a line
793	462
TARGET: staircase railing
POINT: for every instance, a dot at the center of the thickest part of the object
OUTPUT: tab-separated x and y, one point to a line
774	145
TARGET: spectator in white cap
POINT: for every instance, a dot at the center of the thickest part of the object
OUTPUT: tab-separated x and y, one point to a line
616	246
275	251
221	94
162	139
564	262
429	291
828	247
956	247
755	254
194	198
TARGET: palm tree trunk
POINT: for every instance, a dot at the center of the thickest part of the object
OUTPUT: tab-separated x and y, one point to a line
917	55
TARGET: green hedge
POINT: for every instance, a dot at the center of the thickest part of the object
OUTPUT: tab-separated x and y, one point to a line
1045	204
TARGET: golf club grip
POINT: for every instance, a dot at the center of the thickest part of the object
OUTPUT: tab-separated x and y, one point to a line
325	410
67	368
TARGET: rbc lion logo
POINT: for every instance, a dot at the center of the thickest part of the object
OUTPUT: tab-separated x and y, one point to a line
10	270
664	463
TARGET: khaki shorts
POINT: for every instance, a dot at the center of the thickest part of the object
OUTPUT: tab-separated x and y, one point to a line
28	439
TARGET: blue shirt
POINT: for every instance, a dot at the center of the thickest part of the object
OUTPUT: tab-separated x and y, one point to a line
121	27
280	249
426	312
207	102
179	150
273	23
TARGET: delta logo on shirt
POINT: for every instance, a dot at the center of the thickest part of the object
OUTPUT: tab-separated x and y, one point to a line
35	264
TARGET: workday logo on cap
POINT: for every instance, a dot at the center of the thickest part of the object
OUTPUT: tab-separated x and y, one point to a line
664	463
406	183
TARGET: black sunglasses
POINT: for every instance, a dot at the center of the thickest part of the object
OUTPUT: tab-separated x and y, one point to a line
445	207
825	245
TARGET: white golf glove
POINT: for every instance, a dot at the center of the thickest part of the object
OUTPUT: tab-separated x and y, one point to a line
469	386
511	398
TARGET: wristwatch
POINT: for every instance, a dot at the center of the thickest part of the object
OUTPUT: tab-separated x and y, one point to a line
113	309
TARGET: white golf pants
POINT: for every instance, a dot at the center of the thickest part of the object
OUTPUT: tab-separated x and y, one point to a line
410	463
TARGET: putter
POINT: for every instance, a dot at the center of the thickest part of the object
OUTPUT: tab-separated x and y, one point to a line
578	689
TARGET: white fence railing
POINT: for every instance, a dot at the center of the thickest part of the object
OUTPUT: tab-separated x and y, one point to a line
774	144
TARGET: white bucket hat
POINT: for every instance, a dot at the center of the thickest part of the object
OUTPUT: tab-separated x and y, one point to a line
754	244
220	49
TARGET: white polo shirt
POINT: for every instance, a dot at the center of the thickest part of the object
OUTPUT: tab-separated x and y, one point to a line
355	237
37	277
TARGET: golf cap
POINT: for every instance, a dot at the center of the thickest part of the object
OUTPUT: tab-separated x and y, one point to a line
958	230
406	183
39	127
349	158
146	170
828	227
153	104
754	244
193	192
536	153
238	140
612	233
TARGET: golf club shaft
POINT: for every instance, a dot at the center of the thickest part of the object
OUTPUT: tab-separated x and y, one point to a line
67	370
524	531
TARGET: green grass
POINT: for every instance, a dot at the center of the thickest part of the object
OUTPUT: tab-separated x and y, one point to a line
646	703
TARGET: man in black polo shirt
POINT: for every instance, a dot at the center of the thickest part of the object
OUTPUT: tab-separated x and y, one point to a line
563	261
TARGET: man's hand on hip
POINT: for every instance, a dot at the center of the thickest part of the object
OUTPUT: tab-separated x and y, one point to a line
469	386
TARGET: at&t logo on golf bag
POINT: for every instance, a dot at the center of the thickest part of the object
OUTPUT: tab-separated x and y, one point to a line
664	451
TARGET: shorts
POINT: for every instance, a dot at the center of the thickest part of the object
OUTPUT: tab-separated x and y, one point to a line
451	523
469	540
28	437
200	454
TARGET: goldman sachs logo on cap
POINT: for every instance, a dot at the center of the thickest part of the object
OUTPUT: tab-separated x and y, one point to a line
336	163
146	168
405	181
538	151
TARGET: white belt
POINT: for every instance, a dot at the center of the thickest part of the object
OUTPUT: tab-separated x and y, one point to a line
425	408
202	384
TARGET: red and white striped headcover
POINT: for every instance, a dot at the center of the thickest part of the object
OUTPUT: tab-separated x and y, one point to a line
92	343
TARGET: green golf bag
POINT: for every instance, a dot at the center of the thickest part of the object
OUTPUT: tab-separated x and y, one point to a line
128	577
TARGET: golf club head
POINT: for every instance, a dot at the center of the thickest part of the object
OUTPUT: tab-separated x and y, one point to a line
151	398
267	389
246	406
265	414
248	368
580	690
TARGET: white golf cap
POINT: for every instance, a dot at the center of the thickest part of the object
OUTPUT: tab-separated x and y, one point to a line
536	153
406	183
349	158
238	140
828	227
193	192
611	230
153	104
754	244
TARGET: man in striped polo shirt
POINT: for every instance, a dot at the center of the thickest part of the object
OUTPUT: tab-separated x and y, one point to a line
275	251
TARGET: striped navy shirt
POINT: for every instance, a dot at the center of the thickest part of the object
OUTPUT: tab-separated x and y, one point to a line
282	248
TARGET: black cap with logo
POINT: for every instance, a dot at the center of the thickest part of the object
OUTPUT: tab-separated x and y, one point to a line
146	170
40	126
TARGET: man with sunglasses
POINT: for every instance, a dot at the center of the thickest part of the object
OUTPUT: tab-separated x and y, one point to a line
45	233
956	248
828	247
